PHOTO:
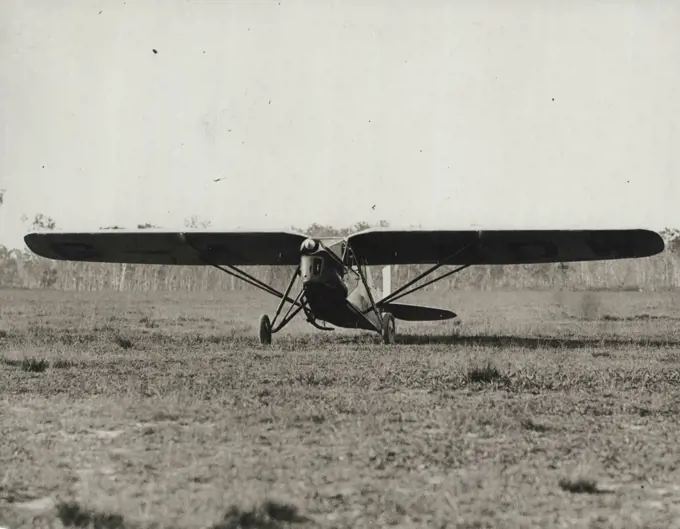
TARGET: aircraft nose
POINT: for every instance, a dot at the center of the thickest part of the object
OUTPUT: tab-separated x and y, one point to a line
309	246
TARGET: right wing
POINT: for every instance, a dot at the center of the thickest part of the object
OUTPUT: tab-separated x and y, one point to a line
491	247
171	248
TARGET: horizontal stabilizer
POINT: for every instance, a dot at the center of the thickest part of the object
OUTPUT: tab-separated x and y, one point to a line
415	313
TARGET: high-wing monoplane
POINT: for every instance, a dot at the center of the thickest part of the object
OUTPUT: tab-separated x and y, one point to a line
334	288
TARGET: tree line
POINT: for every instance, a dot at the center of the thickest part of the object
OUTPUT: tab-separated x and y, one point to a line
20	268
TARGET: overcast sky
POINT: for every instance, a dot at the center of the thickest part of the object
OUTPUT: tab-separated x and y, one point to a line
438	113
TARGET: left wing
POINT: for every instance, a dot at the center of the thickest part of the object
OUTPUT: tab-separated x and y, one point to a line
171	248
387	246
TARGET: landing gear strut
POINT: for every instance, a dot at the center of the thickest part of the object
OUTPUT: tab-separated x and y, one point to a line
269	327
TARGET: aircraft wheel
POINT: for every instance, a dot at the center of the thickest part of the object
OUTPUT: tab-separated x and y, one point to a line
265	330
389	331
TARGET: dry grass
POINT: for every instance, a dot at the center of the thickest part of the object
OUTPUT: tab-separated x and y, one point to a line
133	411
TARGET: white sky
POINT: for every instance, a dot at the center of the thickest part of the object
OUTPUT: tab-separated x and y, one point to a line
438	113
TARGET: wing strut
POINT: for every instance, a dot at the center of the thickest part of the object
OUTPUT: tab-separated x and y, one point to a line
246	277
396	295
283	300
299	303
399	293
290	314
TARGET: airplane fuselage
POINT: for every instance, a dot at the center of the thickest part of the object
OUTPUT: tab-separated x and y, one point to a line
330	296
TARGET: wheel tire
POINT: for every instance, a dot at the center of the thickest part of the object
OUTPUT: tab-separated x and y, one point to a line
265	330
389	331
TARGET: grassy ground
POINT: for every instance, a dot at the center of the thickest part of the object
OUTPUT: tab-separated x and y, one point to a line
535	410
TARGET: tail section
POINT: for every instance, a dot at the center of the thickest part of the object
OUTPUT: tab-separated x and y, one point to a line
409	312
416	313
360	302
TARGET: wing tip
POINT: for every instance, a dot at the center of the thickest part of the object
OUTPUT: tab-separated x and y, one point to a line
652	243
31	238
34	243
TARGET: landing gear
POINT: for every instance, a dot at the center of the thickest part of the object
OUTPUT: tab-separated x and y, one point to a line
269	327
389	331
265	330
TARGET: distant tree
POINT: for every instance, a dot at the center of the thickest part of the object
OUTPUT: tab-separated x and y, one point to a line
8	268
2	196
146	226
41	222
49	277
196	222
674	245
672	238
319	230
31	269
361	225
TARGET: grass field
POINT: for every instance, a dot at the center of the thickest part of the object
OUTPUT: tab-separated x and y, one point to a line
157	410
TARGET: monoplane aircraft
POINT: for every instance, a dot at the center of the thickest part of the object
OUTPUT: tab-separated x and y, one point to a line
335	288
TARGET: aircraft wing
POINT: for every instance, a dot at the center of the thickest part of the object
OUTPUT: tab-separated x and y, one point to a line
173	248
389	246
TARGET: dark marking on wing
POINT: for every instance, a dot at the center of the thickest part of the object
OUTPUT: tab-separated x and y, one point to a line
533	250
75	250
